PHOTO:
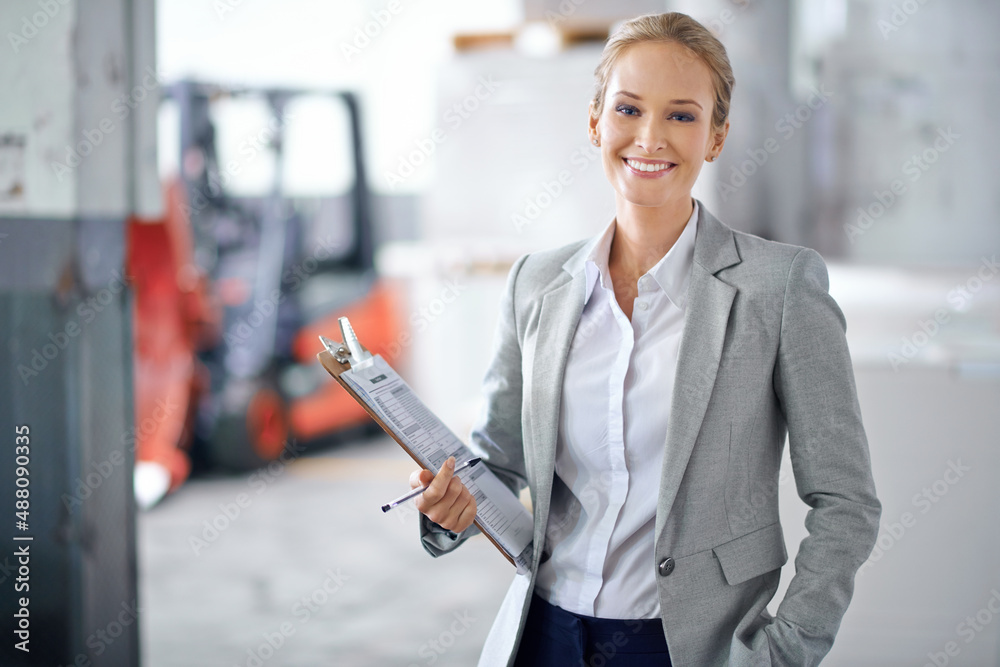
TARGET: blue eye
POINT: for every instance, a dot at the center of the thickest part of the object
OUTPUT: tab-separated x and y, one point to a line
627	109
683	117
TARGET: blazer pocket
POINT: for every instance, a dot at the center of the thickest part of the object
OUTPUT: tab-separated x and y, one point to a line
753	554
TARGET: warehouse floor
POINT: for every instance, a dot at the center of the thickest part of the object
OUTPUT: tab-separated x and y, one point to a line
298	566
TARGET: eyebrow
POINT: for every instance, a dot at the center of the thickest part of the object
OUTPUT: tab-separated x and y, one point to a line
634	96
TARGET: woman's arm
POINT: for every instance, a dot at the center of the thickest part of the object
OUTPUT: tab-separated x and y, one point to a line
496	437
814	382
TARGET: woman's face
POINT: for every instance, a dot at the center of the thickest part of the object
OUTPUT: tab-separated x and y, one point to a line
655	129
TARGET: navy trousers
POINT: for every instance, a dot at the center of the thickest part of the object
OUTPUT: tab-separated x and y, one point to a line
554	637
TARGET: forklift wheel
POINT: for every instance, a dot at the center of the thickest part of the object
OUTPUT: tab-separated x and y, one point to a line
252	429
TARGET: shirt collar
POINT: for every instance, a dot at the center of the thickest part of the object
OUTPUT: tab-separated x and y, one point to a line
672	273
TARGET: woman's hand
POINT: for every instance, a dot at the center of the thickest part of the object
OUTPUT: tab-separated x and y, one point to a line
446	501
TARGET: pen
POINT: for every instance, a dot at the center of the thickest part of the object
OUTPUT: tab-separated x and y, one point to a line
416	492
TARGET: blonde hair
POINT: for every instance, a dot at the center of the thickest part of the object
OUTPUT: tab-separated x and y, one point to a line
680	29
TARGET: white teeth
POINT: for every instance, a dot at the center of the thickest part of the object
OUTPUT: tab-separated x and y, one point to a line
646	166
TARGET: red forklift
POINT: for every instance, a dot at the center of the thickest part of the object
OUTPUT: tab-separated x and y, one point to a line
266	240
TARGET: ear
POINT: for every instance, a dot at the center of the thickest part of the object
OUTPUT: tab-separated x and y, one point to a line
718	139
592	130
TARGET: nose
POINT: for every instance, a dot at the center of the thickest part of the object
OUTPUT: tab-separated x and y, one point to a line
650	136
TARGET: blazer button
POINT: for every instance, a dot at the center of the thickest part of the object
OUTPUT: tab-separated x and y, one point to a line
666	566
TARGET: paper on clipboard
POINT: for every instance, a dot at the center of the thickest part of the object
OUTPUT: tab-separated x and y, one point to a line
499	513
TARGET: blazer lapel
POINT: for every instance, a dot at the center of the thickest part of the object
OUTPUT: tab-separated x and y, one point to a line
709	303
557	321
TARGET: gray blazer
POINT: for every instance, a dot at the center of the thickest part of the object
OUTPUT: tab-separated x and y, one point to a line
763	354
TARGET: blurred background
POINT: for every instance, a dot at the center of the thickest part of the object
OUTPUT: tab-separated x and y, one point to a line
192	190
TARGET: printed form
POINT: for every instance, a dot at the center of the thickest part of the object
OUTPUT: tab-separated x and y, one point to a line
499	513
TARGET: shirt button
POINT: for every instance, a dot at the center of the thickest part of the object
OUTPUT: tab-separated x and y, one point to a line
642	305
666	566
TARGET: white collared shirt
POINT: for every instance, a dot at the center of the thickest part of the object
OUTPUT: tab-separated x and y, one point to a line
612	433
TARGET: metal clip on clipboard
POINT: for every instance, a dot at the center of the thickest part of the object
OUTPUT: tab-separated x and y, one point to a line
386	397
350	352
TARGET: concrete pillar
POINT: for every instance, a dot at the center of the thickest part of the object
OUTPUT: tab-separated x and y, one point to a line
77	158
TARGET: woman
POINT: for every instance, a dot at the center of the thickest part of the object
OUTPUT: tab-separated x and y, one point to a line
642	386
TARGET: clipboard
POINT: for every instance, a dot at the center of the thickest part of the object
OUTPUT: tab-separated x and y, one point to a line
386	397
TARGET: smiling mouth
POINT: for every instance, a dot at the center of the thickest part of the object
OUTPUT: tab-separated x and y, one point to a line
636	165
